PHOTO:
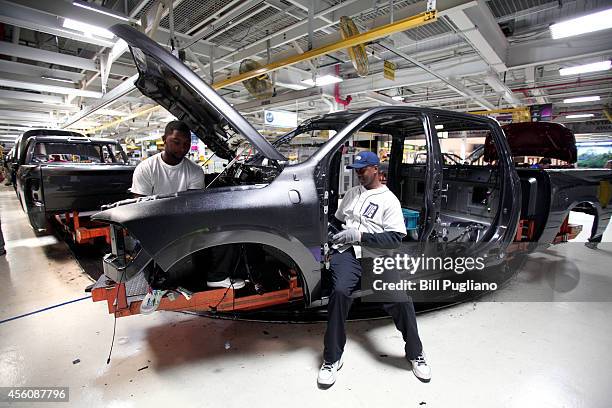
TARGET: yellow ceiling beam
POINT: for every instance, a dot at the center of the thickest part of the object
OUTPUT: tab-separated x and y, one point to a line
368	36
520	114
131	116
507	110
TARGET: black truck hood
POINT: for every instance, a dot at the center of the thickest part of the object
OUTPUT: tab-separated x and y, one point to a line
173	85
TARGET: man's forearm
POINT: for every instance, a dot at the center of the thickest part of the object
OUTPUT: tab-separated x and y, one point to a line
385	240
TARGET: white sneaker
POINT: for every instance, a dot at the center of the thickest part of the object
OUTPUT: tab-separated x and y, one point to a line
327	374
151	301
420	368
227	283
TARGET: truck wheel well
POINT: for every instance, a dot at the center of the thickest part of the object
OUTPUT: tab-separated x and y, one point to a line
261	258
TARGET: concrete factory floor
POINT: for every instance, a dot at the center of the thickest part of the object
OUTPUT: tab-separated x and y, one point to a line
507	353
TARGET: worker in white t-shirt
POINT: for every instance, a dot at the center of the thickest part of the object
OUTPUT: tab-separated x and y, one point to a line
371	215
171	172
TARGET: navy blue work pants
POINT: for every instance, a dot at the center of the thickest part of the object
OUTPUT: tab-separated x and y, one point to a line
345	277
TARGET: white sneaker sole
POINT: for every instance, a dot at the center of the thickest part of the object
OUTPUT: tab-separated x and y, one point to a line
324	386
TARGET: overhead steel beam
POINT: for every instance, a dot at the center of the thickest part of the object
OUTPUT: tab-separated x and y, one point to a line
384	99
451	83
29	96
213	17
14	127
373	34
498	86
140	112
66	9
38	71
547	51
50	57
31	19
460	67
44	15
36	106
478	26
119	91
10	120
304	8
23	114
62	90
280	100
346	8
287	34
197	61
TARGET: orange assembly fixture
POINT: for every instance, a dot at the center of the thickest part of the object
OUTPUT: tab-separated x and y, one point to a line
83	231
220	300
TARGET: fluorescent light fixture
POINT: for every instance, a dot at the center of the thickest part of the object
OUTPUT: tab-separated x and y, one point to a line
322	80
296	87
581	99
582	25
581	69
100	10
439	127
87	29
582	115
58	79
397	98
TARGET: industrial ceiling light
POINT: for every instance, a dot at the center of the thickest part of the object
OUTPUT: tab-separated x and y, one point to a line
87	29
582	115
100	10
322	80
582	25
581	69
582	99
58	79
397	98
295	87
439	127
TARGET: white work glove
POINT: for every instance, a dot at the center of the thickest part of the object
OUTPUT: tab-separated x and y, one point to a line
347	236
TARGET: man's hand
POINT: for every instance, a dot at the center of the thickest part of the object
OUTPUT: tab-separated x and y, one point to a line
347	236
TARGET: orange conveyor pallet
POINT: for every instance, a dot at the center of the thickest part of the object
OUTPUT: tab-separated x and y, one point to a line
124	300
83	232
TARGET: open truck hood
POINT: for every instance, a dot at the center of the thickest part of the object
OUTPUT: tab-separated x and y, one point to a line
173	85
542	139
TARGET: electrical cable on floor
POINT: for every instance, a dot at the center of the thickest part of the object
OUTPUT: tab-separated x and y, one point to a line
110	352
44	309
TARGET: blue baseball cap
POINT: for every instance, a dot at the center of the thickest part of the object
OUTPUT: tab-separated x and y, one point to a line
364	159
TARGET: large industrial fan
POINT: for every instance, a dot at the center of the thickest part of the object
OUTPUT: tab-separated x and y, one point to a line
357	53
260	86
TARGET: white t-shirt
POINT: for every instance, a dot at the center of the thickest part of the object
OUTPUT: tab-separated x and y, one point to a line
153	176
374	211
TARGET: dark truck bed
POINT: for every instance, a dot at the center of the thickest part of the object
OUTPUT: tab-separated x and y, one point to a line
548	196
550	192
84	187
50	189
66	173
